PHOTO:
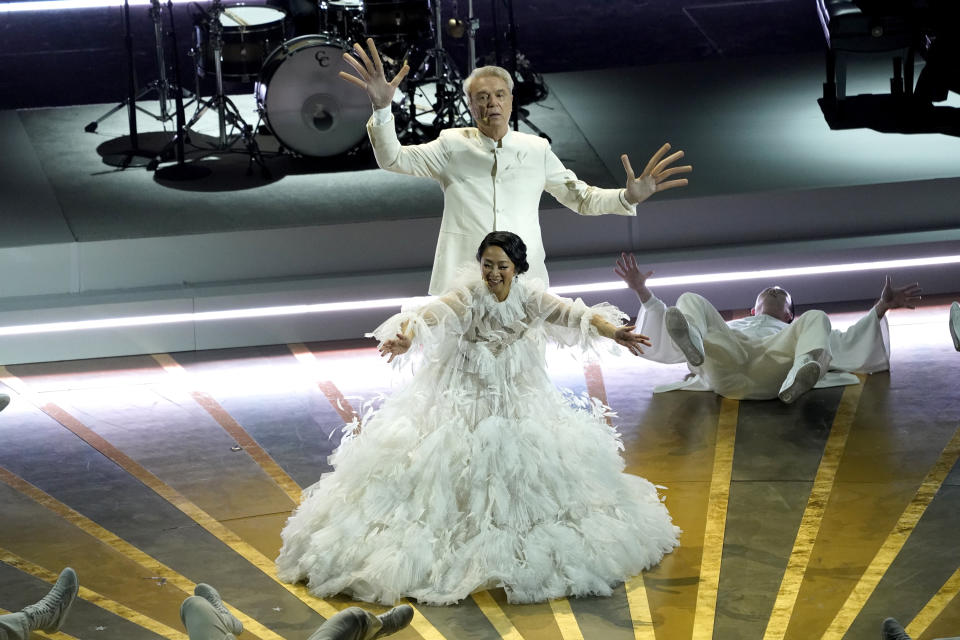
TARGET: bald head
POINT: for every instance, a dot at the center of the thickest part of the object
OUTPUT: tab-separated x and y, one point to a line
775	302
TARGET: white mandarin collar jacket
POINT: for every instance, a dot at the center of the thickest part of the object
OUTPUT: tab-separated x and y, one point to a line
489	186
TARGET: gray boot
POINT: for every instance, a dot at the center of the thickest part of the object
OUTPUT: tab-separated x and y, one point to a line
211	595
891	630
394	620
50	612
684	335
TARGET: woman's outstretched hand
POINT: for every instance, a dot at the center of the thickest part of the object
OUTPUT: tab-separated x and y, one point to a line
626	337
395	347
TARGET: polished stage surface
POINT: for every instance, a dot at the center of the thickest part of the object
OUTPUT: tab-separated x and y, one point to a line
149	474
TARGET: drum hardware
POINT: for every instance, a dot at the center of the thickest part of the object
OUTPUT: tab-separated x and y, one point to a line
528	85
160	85
181	170
449	104
457	28
227	111
134	156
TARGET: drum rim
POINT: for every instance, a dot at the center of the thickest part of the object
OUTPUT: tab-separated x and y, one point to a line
250	5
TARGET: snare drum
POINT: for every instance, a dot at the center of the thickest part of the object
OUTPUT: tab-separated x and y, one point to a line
342	19
250	33
397	19
306	106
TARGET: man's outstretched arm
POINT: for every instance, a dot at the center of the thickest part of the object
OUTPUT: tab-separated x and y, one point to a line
655	175
897	297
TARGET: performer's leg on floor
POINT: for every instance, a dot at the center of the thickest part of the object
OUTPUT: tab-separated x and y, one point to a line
48	614
955	324
14	626
808	338
203	621
354	623
689	322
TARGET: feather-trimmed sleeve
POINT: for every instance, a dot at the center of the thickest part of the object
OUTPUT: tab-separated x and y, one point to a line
570	322
428	321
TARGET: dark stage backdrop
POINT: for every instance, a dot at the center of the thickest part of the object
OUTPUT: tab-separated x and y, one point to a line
76	56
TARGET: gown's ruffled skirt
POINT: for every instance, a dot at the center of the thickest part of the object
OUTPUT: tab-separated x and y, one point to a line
467	480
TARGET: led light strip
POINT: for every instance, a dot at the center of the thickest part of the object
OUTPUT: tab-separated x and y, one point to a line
764	274
385	303
58	5
202	316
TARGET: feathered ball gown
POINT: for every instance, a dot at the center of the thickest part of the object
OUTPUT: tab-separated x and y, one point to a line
480	473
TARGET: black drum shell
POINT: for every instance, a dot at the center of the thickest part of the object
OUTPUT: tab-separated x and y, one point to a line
245	48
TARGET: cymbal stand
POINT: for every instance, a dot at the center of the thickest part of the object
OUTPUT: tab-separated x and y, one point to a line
160	85
472	25
181	170
520	114
227	111
438	68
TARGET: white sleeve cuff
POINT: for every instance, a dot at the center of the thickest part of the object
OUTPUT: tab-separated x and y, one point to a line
382	116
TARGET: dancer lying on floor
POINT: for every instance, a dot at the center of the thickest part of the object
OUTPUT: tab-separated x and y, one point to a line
766	355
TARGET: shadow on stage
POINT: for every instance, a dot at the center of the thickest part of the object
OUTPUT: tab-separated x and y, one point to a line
234	169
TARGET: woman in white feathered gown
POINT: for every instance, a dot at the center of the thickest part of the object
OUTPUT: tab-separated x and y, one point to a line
480	473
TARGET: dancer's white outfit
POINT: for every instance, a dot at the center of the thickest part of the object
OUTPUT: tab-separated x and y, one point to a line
480	473
489	185
748	359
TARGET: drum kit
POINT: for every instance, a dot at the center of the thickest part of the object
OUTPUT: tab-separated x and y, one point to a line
300	99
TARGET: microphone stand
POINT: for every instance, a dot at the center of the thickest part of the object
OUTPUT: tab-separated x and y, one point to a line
132	157
181	170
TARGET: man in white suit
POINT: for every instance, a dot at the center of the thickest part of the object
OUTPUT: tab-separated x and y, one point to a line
492	177
768	354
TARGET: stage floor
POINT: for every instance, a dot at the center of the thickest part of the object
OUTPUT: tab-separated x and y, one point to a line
149	474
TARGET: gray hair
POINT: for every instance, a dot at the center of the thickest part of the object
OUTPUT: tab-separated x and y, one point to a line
483	72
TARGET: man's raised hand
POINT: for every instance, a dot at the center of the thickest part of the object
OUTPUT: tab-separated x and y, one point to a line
371	78
630	273
897	297
654	176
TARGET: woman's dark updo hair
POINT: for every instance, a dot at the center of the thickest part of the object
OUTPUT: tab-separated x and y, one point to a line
511	244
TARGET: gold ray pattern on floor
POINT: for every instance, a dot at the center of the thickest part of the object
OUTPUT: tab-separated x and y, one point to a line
639	609
894	543
424	627
150	564
59	635
935	606
489	607
813	513
93	597
716	521
232	427
171	495
339	403
569	629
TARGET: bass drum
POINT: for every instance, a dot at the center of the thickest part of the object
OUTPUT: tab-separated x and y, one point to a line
307	107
